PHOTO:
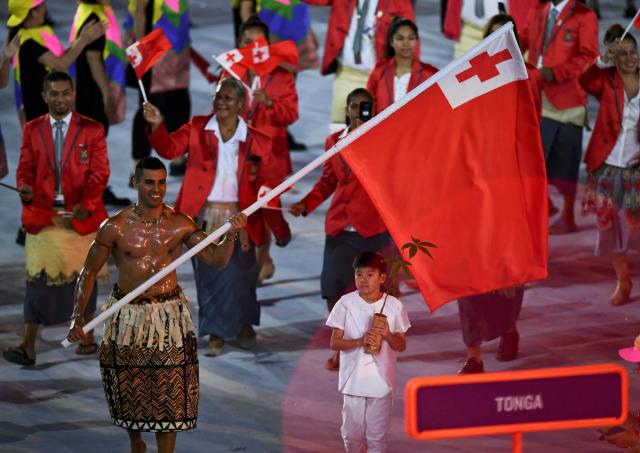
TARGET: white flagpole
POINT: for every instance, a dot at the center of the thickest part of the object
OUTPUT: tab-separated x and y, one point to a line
282	187
144	93
626	30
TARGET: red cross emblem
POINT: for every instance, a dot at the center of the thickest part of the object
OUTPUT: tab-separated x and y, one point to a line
259	54
231	57
484	66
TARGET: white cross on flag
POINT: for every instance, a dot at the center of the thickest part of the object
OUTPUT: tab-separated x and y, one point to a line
458	162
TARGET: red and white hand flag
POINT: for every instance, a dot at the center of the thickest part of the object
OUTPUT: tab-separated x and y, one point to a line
259	56
143	54
231	62
264	58
458	162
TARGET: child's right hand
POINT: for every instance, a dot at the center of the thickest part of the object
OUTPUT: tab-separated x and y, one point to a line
370	338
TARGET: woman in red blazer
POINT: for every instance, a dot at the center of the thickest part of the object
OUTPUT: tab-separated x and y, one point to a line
401	71
352	225
221	145
613	155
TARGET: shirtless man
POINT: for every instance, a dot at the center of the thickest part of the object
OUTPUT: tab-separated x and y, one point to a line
155	328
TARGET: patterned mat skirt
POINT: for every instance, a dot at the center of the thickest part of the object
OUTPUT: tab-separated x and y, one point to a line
149	364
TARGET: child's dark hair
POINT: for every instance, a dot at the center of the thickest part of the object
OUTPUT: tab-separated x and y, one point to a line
370	259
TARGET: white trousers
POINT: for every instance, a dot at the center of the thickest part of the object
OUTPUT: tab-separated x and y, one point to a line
365	422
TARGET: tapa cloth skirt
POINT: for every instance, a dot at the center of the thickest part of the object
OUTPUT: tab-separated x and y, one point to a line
149	364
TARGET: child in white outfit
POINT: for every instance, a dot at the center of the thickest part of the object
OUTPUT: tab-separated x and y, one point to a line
365	380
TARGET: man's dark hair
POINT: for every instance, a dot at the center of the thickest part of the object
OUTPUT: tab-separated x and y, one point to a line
254	22
237	86
56	76
148	163
370	259
393	29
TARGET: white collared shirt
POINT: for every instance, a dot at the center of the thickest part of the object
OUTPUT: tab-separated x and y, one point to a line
559	7
225	186
400	86
627	145
66	120
368	52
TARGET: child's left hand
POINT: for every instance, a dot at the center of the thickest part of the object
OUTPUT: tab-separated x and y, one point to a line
381	329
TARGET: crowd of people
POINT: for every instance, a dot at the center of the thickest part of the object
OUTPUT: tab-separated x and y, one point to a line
67	99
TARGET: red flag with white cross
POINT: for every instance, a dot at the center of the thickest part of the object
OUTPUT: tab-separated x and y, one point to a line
231	62
264	58
143	54
458	162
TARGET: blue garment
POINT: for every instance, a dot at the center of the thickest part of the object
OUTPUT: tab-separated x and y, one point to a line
227	297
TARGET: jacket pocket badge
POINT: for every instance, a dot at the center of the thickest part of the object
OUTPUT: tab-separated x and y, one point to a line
83	153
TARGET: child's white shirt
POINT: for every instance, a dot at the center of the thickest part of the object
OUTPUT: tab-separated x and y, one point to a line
363	374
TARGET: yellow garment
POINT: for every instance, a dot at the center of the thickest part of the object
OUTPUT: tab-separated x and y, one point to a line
469	37
59	252
573	115
347	79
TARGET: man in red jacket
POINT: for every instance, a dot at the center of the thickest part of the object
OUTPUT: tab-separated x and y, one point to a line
561	38
355	43
228	163
62	174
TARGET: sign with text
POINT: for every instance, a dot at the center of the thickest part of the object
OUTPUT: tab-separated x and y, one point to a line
516	401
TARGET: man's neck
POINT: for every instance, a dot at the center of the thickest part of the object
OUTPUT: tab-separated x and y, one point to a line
556	2
148	212
58	117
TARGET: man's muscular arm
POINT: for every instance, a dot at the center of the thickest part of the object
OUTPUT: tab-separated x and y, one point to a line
216	255
97	256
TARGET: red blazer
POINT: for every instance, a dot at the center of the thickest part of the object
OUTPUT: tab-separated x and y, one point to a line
340	19
606	85
85	172
350	204
380	83
255	169
518	9
280	86
572	47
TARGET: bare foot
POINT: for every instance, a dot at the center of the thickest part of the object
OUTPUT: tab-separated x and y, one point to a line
622	293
